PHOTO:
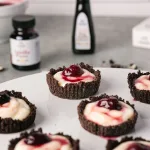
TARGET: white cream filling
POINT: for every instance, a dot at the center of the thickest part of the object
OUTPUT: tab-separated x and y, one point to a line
125	145
17	109
52	145
143	82
86	77
106	117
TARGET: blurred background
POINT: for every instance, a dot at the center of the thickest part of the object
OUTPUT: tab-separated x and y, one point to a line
115	24
99	7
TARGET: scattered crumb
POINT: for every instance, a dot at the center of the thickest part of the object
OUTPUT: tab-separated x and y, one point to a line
111	61
113	64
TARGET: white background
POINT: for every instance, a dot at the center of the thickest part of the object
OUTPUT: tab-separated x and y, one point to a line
99	7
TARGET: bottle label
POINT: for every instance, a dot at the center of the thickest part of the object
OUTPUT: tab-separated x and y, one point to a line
25	52
82	33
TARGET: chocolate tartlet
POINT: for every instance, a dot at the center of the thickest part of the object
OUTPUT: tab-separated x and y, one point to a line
128	143
76	82
107	116
139	84
16	112
38	139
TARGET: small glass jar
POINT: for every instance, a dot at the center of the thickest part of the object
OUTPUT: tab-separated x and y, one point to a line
24	43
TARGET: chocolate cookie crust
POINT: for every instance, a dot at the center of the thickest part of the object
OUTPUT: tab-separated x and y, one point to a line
13	142
139	95
9	125
74	90
111	144
100	130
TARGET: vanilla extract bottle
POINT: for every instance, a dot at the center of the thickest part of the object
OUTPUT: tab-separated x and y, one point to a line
83	37
24	43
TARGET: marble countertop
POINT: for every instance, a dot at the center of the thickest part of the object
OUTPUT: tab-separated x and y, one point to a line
113	41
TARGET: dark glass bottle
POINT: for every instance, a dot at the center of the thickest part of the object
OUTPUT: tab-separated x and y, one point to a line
24	44
83	37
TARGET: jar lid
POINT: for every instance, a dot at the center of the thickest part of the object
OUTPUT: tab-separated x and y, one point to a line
23	21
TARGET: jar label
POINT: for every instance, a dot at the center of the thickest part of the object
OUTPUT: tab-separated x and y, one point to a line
25	52
82	33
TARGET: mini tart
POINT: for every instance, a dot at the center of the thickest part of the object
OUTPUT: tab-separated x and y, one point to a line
112	144
9	125
110	130
73	143
74	90
139	95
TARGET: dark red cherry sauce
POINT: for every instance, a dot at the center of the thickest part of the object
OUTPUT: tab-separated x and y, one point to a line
4	98
37	139
138	146
109	103
4	4
74	71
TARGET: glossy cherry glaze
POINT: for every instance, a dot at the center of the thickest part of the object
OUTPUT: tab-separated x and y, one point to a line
138	146
4	98
109	103
73	71
37	139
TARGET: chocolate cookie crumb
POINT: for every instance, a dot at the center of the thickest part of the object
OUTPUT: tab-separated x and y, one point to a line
113	64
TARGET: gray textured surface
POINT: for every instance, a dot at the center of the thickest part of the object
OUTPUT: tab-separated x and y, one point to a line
113	40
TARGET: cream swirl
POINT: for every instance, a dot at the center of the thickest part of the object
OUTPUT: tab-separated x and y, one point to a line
85	77
16	109
143	82
107	117
126	145
57	143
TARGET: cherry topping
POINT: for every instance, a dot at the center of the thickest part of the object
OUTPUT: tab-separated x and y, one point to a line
37	139
4	98
138	146
110	103
73	71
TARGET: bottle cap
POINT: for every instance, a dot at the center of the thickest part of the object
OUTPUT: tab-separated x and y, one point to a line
23	21
83	1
